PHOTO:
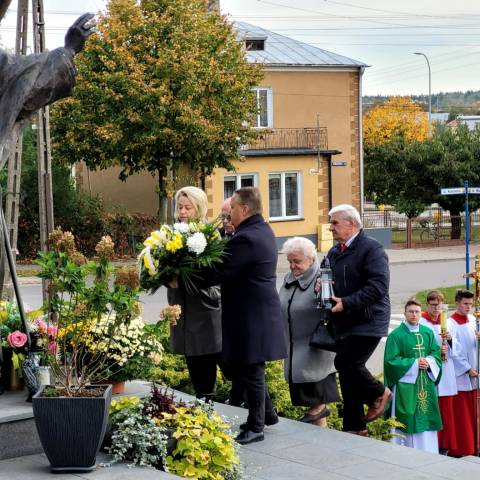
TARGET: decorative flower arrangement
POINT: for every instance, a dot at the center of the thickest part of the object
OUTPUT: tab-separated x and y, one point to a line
179	250
90	330
171	314
187	440
12	334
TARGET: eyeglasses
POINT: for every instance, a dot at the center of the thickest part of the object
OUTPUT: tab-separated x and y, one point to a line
225	217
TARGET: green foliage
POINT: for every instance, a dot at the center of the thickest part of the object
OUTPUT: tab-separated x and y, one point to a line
205	447
409	175
50	392
163	85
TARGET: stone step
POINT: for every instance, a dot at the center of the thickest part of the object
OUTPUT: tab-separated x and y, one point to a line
18	435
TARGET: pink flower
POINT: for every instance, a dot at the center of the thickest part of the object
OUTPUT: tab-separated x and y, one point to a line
17	339
52	330
52	347
42	326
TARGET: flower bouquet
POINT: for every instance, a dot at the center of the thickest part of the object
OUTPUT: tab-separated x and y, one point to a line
179	251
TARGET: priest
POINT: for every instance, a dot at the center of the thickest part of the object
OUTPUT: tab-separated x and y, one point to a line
412	368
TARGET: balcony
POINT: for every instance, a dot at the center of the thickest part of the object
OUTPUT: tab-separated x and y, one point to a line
290	140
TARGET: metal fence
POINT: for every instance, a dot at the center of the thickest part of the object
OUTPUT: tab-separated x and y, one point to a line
291	138
434	227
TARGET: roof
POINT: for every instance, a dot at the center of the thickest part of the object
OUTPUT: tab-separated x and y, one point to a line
285	51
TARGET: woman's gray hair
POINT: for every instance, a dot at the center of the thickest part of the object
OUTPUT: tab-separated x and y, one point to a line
300	244
348	213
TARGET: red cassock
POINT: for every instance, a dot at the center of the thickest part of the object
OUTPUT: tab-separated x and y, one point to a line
464	413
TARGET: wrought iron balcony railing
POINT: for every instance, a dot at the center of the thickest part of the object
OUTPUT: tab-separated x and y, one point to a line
291	139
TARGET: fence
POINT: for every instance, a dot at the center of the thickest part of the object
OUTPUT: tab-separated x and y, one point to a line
434	227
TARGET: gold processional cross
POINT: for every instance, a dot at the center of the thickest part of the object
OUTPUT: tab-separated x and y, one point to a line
422	394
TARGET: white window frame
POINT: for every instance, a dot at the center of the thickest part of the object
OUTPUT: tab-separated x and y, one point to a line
269	107
282	196
238	179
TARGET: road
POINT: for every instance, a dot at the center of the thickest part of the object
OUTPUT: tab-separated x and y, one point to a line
406	280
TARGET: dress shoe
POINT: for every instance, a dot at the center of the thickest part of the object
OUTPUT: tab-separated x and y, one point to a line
268	422
378	406
247	436
308	418
361	433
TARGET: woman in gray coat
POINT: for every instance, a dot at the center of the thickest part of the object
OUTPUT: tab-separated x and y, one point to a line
198	332
309	371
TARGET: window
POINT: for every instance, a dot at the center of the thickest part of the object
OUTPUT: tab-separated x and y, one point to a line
233	182
264	117
284	195
255	44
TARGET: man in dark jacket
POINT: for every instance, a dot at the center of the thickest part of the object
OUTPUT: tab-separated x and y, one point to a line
361	315
252	328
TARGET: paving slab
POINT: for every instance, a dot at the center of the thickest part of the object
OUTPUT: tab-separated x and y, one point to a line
291	450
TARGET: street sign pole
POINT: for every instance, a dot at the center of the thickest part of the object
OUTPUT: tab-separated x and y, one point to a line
467	235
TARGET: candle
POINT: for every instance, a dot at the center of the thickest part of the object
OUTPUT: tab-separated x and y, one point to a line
443	318
43	376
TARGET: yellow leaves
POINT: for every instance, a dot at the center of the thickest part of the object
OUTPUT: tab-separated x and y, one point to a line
397	116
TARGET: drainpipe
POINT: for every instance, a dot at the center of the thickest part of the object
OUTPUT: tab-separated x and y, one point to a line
360	136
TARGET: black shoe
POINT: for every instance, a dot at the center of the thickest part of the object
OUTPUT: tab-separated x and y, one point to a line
308	418
247	436
268	422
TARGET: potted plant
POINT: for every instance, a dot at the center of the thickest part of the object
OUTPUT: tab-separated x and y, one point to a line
94	328
189	440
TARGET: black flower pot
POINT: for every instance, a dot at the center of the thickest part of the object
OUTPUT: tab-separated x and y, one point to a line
71	429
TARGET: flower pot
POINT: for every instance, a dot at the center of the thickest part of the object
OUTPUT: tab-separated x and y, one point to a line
71	429
117	387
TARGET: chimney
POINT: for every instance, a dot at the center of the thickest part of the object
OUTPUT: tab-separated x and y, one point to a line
214	6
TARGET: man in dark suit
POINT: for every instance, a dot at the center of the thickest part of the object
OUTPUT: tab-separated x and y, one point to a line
252	329
361	315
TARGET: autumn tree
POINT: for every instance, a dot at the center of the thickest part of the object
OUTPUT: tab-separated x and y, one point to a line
164	85
398	116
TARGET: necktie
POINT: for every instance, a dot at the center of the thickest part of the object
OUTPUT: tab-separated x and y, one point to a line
343	247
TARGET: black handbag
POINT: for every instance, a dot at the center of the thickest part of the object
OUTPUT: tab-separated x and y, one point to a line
322	338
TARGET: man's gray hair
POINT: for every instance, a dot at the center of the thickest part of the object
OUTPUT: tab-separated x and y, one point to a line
300	244
348	213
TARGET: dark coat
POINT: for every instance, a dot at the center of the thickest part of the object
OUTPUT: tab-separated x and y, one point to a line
361	279
252	324
199	329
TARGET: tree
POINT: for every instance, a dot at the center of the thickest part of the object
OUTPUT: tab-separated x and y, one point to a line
409	175
397	116
164	85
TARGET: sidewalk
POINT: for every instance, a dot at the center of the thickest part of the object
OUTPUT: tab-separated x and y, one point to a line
291	450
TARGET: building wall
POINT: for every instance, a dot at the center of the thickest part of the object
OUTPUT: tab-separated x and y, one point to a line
298	96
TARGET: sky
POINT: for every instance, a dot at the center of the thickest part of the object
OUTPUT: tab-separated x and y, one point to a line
384	34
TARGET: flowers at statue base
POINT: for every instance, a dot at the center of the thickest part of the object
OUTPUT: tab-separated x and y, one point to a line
13	336
179	251
91	330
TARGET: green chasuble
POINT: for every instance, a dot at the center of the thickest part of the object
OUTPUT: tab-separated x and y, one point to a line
416	404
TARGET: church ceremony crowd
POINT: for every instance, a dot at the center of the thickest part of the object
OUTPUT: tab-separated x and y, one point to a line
236	320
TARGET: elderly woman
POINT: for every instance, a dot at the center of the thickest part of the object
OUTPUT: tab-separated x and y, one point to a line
310	372
198	333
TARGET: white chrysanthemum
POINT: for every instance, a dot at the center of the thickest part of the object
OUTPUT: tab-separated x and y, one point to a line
197	243
181	227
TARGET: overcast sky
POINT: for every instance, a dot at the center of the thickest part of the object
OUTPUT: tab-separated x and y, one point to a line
381	33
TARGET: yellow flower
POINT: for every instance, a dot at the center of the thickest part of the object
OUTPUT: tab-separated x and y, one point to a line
175	244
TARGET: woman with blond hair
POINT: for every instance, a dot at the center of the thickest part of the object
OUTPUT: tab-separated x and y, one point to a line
198	332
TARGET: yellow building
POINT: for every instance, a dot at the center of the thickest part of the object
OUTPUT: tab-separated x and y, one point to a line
309	157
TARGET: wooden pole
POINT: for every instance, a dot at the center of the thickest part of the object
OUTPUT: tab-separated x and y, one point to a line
45	198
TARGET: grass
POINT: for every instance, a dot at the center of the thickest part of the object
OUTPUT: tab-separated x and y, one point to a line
448	292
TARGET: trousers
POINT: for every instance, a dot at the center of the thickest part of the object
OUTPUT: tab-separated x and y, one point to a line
358	385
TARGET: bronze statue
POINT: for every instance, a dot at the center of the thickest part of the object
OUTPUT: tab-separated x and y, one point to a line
29	82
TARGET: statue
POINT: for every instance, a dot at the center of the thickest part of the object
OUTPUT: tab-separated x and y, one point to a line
29	82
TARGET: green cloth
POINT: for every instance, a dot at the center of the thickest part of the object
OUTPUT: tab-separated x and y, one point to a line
401	351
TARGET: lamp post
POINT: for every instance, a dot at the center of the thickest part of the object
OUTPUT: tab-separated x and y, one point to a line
429	87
